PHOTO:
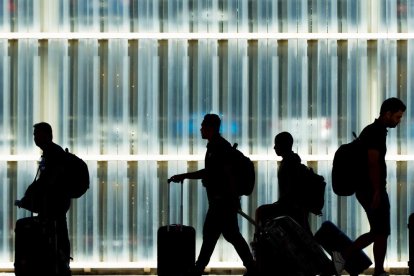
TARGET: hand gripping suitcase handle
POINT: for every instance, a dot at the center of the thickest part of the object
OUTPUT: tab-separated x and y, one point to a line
181	203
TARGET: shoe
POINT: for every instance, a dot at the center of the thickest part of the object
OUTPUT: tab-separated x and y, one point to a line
382	274
195	271
338	261
251	270
250	273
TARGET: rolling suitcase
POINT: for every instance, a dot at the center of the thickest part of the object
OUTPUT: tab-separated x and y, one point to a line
37	249
411	244
175	246
333	239
283	247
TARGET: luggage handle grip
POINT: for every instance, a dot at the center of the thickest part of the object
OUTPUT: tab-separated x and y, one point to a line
181	204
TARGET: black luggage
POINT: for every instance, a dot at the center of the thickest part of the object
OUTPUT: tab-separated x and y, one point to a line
333	239
283	247
37	249
411	244
175	246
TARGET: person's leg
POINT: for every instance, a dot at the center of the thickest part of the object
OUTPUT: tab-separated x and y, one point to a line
360	243
380	250
339	258
231	233
63	244
382	223
379	220
211	233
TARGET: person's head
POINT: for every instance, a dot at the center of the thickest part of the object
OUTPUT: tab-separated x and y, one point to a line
42	134
210	126
391	112
283	143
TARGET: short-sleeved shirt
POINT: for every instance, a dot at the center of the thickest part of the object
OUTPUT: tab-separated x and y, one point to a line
374	137
291	190
289	179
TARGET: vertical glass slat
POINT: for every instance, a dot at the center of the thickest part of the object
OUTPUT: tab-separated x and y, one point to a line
409	117
5	25
84	209
322	99
273	24
5	99
27	85
145	90
57	91
302	135
332	15
392	186
262	117
306	17
5	218
118	16
365	115
410	16
178	16
236	12
148	15
321	18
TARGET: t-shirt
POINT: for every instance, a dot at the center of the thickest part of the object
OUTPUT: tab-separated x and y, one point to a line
374	137
290	179
218	171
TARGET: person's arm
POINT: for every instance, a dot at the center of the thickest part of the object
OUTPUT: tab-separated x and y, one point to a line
374	172
190	175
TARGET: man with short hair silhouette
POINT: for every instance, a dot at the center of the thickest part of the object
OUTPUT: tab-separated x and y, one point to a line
223	199
46	195
373	196
290	183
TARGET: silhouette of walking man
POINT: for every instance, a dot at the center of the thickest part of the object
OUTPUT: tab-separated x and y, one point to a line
373	196
45	195
223	200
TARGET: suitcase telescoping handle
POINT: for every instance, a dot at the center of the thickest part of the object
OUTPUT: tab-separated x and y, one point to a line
246	216
169	202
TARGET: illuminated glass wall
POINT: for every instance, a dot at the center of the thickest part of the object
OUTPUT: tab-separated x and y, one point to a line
125	85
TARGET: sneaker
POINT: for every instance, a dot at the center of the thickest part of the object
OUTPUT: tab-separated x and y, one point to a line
338	261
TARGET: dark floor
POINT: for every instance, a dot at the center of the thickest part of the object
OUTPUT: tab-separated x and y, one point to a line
75	274
401	271
216	273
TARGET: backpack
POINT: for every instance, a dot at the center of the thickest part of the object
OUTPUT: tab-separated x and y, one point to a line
244	172
77	175
348	168
313	190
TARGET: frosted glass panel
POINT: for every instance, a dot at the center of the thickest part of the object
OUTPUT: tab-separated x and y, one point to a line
132	108
113	102
315	16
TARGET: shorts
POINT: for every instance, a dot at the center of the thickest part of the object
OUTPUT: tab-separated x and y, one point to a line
379	218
